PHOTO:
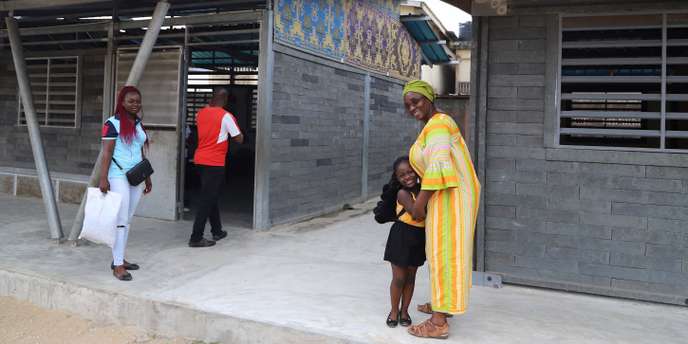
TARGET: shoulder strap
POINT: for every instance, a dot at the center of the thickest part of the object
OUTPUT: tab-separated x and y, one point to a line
402	211
116	163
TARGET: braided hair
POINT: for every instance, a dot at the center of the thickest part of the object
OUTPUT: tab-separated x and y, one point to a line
393	181
127	126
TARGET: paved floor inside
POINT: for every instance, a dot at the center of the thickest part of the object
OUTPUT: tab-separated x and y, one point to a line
326	277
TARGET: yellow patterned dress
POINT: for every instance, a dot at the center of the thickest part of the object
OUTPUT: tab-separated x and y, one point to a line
440	157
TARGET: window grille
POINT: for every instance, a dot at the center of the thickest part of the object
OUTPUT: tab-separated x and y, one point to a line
624	81
55	89
199	97
196	99
254	108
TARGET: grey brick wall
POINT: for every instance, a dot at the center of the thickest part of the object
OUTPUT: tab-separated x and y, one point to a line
562	218
317	136
392	132
67	150
457	108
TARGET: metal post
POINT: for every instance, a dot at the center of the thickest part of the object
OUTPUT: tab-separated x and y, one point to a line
92	181
184	82
662	103
478	108
108	105
109	77
134	76
148	43
34	130
266	61
366	137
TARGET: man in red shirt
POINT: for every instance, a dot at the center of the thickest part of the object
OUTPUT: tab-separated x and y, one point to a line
215	127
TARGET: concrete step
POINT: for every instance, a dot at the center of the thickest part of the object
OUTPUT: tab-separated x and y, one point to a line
163	318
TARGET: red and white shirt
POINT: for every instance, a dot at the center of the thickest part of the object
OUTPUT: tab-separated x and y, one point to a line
215	127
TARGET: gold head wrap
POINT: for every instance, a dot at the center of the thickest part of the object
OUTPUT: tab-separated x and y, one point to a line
421	87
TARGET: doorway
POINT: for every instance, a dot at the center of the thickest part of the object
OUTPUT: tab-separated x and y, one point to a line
223	56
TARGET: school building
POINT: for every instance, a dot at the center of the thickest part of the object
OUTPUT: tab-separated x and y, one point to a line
577	119
580	122
315	86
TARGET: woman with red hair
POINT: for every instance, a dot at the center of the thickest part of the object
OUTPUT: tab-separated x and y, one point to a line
123	143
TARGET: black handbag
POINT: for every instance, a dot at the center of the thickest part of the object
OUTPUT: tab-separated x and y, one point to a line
137	174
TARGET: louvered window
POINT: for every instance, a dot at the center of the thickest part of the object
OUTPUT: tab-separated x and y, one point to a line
624	81
54	85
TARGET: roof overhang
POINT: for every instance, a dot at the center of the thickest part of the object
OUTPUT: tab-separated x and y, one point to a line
225	27
428	31
469	6
12	5
464	5
42	10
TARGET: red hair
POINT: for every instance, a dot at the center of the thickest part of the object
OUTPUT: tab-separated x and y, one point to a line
127	127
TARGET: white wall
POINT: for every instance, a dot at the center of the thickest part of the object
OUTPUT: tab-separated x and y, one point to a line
441	77
463	72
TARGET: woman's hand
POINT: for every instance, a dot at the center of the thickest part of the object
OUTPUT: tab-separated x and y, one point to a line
108	149
149	186
104	185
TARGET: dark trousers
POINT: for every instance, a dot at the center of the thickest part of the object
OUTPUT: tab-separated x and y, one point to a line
212	183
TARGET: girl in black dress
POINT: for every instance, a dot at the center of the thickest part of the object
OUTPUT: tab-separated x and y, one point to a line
405	248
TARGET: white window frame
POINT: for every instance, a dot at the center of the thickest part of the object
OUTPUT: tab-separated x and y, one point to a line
77	95
663	80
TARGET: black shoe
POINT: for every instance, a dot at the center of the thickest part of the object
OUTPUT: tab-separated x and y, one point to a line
406	322
123	277
128	266
218	237
201	243
392	322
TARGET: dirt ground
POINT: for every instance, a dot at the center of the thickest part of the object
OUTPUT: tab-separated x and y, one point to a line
24	323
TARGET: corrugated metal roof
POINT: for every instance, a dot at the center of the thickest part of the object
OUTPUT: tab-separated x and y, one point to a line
200	58
420	30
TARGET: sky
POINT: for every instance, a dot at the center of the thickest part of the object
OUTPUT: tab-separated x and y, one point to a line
449	15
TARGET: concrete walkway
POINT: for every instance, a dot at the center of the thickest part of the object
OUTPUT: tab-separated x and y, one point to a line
320	282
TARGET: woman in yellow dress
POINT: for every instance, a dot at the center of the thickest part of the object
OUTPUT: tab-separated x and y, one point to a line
448	200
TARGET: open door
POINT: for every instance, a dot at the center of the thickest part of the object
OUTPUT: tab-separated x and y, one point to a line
223	56
160	89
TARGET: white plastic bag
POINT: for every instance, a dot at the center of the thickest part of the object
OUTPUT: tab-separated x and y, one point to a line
100	216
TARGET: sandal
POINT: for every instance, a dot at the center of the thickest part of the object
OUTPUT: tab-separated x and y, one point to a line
427	309
427	329
392	322
406	322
